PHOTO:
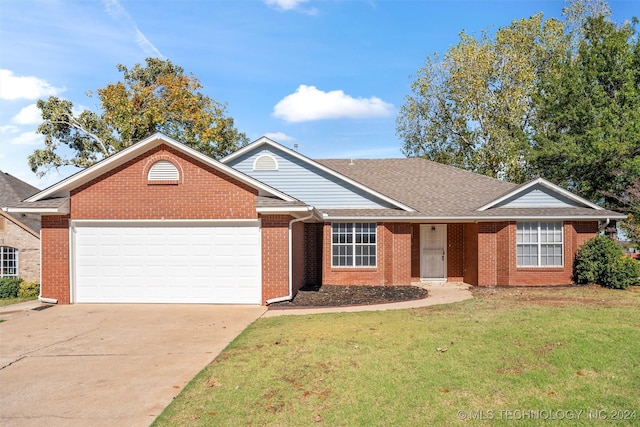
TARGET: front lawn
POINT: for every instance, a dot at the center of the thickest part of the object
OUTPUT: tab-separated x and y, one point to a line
509	354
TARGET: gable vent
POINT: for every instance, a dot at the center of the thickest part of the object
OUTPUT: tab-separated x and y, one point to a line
163	170
265	162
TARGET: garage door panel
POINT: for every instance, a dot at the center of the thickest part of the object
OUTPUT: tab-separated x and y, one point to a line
170	264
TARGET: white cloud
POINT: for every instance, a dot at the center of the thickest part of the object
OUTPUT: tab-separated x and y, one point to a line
27	138
279	136
29	115
291	5
8	129
119	13
309	103
14	87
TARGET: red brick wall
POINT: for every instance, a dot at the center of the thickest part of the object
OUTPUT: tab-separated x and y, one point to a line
201	193
393	262
398	254
488	260
55	258
497	263
470	234
275	256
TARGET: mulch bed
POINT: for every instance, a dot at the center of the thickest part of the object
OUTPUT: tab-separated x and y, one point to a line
336	296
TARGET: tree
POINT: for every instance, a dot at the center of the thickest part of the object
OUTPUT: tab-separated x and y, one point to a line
473	108
158	97
588	133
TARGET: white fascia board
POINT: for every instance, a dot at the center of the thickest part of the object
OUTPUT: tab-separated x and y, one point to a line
63	209
425	219
544	183
63	187
266	141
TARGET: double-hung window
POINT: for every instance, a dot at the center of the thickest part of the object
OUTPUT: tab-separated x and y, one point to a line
8	261
353	244
539	244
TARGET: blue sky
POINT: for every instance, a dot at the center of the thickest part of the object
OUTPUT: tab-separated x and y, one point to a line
329	75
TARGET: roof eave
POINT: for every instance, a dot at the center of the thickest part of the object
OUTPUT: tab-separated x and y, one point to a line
544	183
86	175
295	211
19	223
61	210
474	219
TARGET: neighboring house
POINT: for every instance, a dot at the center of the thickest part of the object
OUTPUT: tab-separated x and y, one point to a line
19	232
161	222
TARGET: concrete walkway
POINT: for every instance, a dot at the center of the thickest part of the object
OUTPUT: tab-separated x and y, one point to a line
439	293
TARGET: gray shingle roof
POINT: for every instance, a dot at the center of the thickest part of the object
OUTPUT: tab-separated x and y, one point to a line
272	202
431	188
55	202
14	190
437	191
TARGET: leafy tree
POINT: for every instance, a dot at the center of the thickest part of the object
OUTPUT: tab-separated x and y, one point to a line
473	108
588	131
158	97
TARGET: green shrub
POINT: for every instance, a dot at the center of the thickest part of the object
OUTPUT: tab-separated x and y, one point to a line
9	287
29	290
594	258
621	273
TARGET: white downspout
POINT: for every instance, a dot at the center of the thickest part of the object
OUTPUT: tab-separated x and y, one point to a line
603	226
290	296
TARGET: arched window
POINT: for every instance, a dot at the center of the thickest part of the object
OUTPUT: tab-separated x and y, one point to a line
8	261
163	170
265	162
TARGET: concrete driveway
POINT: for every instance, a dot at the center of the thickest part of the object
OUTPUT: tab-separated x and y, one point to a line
107	364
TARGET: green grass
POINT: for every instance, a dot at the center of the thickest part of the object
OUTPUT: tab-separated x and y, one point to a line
10	301
566	349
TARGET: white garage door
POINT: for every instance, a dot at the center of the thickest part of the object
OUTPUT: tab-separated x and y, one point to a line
167	263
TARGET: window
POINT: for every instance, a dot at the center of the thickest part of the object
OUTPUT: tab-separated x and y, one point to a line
265	162
163	170
353	244
8	261
539	244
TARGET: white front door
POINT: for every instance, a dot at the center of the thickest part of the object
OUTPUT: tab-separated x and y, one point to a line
433	254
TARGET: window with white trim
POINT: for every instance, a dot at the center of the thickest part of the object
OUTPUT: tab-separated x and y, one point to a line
353	244
539	244
8	261
163	170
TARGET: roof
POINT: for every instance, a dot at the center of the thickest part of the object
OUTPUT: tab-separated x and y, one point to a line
317	164
63	188
14	190
419	189
404	179
452	193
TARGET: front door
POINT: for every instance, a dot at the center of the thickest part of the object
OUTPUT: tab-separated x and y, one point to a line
433	256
